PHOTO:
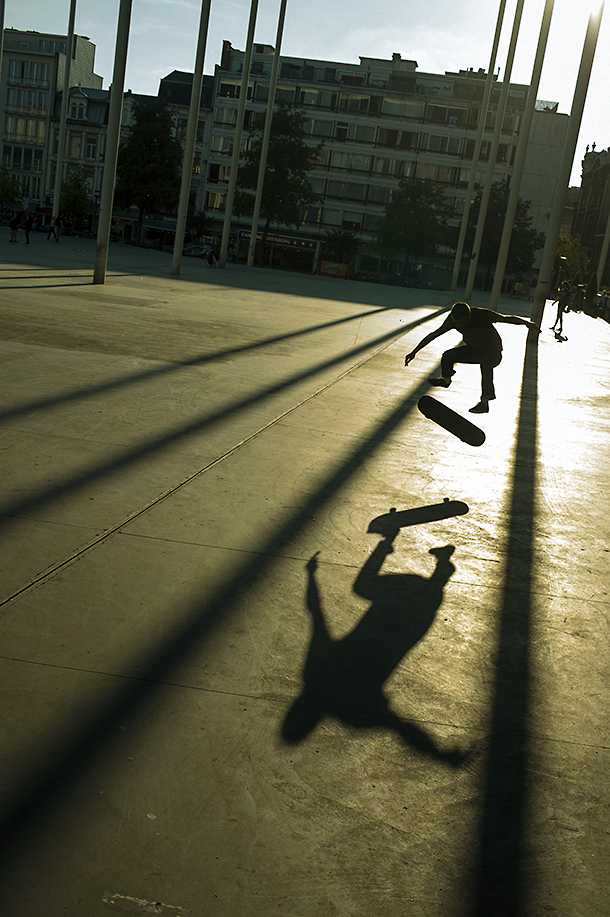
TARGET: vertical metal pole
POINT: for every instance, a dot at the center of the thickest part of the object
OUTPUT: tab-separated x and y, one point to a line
191	132
2	3
494	149
61	144
515	185
605	245
569	148
112	141
266	134
477	146
239	126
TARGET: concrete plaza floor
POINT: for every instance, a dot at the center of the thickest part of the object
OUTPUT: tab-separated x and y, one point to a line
229	689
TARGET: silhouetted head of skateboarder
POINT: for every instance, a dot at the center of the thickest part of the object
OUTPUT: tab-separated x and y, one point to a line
461	315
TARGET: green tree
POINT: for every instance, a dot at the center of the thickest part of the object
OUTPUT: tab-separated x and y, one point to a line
286	189
341	245
198	224
525	240
415	221
75	201
10	192
576	257
149	163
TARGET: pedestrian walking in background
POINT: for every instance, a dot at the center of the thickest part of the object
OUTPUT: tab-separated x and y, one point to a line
563	303
27	223
533	285
14	224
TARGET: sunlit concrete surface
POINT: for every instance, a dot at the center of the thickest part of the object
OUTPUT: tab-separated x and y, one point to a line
222	694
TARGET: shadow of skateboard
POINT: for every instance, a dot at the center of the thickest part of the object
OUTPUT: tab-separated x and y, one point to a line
389	523
454	423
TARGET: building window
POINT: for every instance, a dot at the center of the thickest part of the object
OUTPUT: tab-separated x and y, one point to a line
24	46
342	189
395	167
75	145
226	116
379	195
361	133
352	161
312	216
216	201
221	144
319	128
91	147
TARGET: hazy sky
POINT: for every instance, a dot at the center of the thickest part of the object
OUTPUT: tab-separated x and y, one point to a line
439	34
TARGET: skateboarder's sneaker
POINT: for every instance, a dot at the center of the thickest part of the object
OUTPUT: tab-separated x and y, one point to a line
440	381
481	408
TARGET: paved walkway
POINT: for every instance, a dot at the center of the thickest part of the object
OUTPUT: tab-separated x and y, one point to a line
229	689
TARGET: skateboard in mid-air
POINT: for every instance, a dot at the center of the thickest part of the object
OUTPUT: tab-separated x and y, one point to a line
454	423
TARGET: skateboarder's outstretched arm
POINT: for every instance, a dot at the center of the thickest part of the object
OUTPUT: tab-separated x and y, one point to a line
425	341
516	320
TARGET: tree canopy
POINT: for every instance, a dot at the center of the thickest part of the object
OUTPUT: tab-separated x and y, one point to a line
415	220
341	245
577	258
75	201
525	240
150	162
10	192
286	188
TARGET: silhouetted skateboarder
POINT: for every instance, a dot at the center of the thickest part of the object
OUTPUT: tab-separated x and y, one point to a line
481	344
563	303
344	678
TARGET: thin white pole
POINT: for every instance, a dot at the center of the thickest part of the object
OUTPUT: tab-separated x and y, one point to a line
191	132
239	126
266	134
605	245
515	184
112	141
494	150
1	33
63	117
477	146
567	160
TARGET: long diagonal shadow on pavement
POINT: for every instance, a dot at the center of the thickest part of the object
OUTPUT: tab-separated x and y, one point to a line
45	495
62	764
199	360
499	889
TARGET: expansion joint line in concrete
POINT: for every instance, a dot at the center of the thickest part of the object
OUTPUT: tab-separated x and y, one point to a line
108	533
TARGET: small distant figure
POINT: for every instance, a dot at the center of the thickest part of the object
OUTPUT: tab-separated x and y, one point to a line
481	344
518	288
429	285
14	224
53	230
27	222
212	259
533	285
563	305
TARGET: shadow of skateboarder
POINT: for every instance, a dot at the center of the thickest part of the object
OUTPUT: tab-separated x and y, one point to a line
344	678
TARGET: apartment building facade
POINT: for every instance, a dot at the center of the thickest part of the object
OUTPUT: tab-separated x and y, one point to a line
592	210
33	67
381	121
